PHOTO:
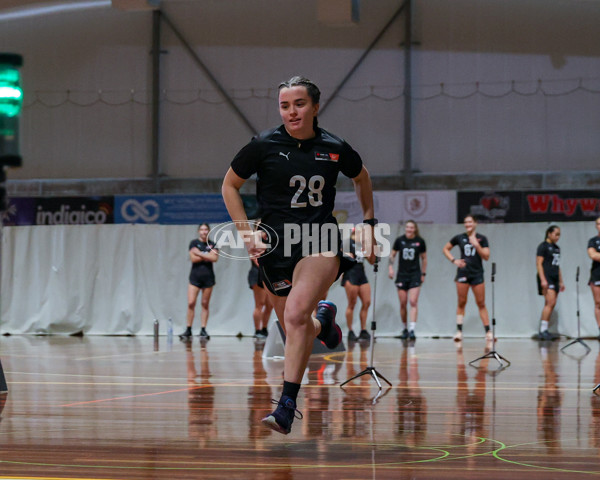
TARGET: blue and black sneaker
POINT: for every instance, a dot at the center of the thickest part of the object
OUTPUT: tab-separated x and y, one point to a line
282	418
331	333
545	336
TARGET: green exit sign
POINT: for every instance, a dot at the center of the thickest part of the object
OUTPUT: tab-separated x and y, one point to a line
11	93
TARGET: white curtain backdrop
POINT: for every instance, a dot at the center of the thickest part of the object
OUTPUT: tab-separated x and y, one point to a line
116	279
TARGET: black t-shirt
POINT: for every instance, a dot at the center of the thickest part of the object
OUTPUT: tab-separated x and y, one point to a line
202	267
296	178
595	244
468	252
551	255
409	251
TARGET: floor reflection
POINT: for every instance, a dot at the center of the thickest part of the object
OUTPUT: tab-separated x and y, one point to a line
412	404
202	424
549	398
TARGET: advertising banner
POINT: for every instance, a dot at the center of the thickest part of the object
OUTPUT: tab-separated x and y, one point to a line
59	211
533	206
432	206
170	209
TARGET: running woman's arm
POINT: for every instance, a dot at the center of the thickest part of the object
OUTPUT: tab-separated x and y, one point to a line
235	207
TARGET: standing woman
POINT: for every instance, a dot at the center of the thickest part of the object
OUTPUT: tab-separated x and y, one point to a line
262	306
203	254
594	253
549	277
412	268
474	248
297	165
357	286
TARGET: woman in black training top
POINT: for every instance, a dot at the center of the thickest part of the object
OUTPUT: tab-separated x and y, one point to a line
594	253
549	277
412	268
203	254
474	248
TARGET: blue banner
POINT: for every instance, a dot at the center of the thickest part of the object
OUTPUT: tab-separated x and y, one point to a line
170	209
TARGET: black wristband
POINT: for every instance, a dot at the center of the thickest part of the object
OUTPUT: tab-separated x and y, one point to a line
371	221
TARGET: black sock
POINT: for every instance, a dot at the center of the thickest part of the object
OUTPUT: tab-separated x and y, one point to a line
459	327
487	328
290	390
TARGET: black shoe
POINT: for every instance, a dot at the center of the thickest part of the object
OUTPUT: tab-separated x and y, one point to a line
282	418
545	336
204	334
411	335
186	335
331	333
404	334
364	335
259	335
264	332
352	336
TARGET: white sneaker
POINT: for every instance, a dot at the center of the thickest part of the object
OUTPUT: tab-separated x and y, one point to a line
458	337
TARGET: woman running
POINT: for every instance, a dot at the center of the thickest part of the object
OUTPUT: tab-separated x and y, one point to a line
297	165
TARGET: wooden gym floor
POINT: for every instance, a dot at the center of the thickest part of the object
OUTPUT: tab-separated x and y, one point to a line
116	408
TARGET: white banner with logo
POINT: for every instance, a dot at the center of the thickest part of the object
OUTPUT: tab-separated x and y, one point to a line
432	206
116	279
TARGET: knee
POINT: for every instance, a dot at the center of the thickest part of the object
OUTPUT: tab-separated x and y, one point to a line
481	304
192	304
351	304
366	304
205	304
295	316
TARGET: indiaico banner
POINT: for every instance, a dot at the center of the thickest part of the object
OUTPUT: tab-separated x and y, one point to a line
59	211
534	206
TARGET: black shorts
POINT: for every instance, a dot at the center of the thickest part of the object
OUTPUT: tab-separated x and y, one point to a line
277	271
595	277
406	281
470	278
552	283
356	276
255	278
204	280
